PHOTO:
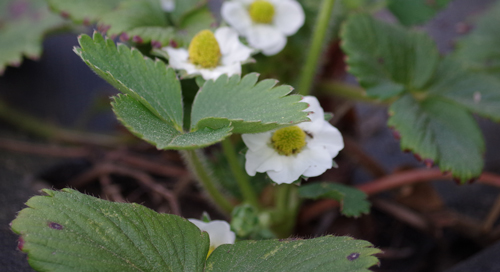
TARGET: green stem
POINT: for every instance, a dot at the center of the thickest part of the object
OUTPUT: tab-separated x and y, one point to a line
315	50
195	161
241	177
347	91
287	204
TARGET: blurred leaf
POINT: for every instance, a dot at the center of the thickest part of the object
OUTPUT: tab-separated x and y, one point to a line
352	201
442	132
194	22
480	50
163	35
133	14
294	255
143	79
23	24
415	12
246	105
70	231
388	60
183	7
80	11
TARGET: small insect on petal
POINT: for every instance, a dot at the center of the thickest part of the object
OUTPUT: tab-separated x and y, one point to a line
55	226
353	256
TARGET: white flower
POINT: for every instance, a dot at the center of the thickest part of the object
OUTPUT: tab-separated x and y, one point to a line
306	149
211	55
218	231
168	5
265	23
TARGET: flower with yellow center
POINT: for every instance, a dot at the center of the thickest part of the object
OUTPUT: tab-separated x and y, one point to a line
219	232
265	23
286	154
210	54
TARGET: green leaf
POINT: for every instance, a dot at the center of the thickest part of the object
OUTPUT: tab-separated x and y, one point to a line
415	12
22	27
194	22
70	231
184	7
147	126
442	132
342	254
87	11
143	79
352	201
247	106
479	93
480	50
387	60
133	14
163	35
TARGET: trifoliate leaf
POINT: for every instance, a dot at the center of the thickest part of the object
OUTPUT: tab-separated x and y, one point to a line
480	49
249	107
184	7
328	254
352	201
143	79
133	14
147	126
87	11
70	231
387	59
442	132
23	25
415	12
480	93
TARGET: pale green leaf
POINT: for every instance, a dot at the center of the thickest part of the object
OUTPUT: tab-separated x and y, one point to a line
246	105
84	10
145	80
415	12
163	35
352	201
22	28
194	22
70	231
442	132
184	7
144	124
328	254
480	49
480	93
133	14
387	59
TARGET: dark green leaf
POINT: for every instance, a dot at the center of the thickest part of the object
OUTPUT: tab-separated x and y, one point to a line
415	12
480	49
442	132
145	80
353	201
147	126
388	60
84	10
70	231
328	254
248	106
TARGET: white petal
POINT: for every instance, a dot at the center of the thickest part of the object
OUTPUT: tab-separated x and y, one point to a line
316	114
232	50
275	162
289	16
214	73
168	5
236	14
266	38
255	159
178	58
294	167
256	141
329	138
319	160
219	231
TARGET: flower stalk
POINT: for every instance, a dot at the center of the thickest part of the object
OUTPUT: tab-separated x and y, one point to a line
315	50
195	162
241	177
287	204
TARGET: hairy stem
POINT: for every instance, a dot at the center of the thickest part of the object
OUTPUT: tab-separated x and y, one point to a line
239	174
316	48
287	204
196	163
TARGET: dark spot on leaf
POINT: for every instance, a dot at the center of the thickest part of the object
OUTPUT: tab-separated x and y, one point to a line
396	134
406	151
380	60
86	21
472	180
417	156
428	163
17	9
124	37
457	181
353	256
65	14
20	243
137	39
174	44
55	226
156	44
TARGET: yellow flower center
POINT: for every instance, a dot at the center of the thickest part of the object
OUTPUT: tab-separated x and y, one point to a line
289	140
261	11
204	50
